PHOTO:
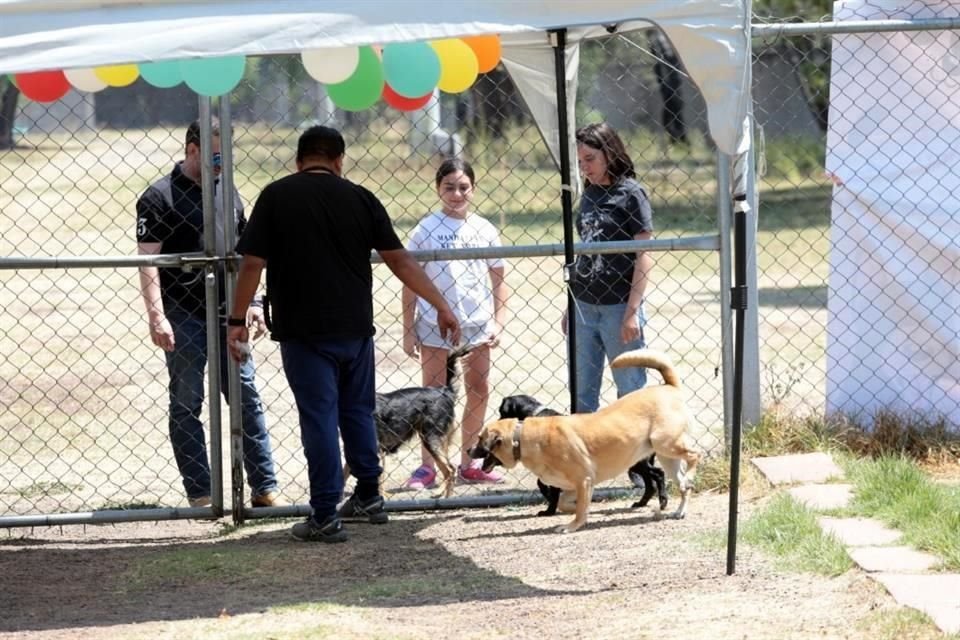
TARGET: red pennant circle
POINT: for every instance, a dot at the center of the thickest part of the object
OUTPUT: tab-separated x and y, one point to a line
402	103
43	86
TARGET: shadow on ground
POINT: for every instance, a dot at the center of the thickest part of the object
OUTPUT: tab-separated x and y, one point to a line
60	584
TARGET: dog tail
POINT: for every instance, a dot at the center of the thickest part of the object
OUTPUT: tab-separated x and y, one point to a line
651	359
453	370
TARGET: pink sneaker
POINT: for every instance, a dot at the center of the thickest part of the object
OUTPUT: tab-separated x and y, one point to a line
476	475
423	478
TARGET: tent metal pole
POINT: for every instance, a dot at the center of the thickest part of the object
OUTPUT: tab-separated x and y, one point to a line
739	304
558	38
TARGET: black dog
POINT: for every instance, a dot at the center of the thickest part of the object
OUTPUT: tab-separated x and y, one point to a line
429	412
654	481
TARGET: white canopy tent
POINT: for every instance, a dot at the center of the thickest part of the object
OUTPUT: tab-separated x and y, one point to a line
712	38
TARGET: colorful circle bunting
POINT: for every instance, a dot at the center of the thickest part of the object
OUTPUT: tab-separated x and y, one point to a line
331	66
402	103
163	74
85	80
213	76
43	86
487	49
412	69
120	75
458	65
404	74
363	88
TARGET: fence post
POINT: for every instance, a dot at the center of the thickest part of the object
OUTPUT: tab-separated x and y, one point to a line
213	304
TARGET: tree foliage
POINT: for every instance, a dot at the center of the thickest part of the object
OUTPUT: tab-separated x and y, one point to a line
809	54
806	10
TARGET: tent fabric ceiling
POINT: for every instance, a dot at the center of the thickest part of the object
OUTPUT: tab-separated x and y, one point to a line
711	36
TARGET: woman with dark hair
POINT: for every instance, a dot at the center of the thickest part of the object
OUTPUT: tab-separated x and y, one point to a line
608	290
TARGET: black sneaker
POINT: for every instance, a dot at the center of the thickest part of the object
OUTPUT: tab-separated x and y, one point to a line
371	509
330	530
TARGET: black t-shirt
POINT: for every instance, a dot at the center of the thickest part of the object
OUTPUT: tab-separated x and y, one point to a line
316	231
618	212
170	212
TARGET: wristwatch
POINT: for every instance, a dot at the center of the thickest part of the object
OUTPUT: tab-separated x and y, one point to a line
236	322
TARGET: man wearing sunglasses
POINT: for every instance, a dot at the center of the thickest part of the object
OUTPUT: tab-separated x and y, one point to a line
170	220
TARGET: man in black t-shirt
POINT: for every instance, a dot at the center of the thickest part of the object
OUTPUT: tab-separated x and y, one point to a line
313	231
170	220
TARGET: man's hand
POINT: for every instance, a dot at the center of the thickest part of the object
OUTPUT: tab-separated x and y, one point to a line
630	328
449	326
410	345
161	333
256	321
237	336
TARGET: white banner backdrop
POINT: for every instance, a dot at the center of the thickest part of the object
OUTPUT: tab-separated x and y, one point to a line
893	148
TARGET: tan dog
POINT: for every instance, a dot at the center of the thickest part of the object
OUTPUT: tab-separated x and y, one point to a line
579	451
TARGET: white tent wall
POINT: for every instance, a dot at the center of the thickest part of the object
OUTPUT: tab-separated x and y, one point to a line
893	140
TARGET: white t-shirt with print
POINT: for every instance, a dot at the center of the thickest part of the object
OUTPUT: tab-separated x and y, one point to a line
464	283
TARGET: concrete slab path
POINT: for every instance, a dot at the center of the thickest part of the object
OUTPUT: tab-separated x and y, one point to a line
905	573
802	467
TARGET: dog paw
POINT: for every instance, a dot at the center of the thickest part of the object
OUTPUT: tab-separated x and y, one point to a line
547	512
679	515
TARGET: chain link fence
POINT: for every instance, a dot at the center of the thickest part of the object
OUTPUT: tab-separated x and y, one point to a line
84	392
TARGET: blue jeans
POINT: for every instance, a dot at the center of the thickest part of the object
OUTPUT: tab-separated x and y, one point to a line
598	336
333	382
186	364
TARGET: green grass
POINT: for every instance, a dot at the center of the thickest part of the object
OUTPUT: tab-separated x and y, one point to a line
790	532
901	623
130	506
453	587
778	434
880	459
42	489
205	564
895	491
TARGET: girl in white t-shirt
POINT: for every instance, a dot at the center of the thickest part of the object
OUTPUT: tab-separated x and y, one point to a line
477	293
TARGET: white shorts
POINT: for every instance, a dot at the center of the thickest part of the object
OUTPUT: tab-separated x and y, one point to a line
429	335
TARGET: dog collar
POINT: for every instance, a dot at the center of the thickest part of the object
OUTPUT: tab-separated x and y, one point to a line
516	440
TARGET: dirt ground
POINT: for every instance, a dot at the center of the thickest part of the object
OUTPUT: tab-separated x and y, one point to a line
492	573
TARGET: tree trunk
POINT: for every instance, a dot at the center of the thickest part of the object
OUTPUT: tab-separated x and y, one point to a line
8	111
668	77
494	102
